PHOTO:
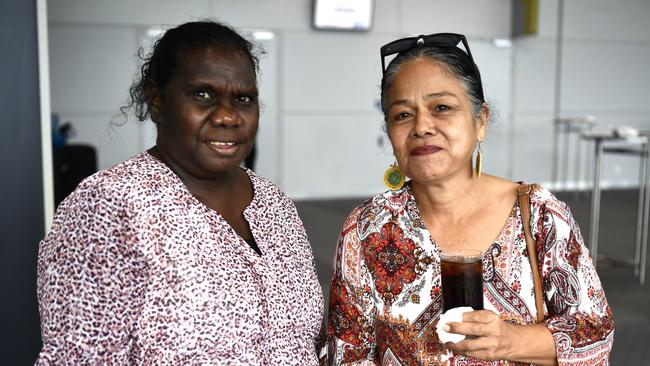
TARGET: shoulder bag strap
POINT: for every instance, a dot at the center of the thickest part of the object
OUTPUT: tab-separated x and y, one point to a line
523	193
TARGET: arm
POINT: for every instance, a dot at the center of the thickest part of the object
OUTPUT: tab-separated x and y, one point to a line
579	317
351	308
578	324
90	283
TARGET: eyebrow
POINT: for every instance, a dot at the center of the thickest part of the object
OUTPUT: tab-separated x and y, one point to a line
440	94
428	96
241	87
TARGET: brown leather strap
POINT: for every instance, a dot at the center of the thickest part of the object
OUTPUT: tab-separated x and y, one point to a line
523	193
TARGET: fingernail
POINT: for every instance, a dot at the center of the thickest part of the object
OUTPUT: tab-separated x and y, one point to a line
446	327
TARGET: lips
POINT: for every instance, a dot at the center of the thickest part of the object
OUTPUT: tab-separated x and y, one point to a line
425	150
223	147
221	143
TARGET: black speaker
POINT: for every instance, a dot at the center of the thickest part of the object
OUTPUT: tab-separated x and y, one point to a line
72	163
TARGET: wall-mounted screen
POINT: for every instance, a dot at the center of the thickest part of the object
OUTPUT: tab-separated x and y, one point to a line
343	14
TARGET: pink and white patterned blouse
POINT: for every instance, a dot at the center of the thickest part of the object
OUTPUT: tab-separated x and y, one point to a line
386	290
136	270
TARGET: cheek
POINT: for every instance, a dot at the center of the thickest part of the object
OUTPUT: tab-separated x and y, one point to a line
174	116
462	137
253	122
397	139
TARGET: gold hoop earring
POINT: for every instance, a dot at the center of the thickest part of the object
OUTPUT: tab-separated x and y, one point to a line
393	177
479	160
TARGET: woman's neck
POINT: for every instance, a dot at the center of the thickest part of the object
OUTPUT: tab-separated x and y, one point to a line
451	199
222	185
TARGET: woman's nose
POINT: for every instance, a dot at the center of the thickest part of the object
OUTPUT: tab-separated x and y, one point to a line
224	116
424	124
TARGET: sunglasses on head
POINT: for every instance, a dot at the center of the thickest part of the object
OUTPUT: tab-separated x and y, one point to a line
437	40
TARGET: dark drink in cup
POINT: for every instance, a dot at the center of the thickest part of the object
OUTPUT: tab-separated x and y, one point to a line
462	279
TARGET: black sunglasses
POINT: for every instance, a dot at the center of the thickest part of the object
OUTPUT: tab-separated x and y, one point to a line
438	40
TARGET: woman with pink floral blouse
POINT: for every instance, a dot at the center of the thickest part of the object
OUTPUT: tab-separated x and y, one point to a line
178	256
386	300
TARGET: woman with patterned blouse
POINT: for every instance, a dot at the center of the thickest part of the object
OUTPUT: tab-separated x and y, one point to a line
178	256
386	298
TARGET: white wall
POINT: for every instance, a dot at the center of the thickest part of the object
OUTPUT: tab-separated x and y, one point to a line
604	73
322	134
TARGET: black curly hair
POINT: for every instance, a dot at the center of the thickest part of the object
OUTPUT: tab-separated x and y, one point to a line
160	65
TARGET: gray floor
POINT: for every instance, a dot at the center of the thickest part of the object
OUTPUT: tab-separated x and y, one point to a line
630	302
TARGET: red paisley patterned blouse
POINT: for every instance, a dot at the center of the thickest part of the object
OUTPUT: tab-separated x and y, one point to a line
386	294
137	271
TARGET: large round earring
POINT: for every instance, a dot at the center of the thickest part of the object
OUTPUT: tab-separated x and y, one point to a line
393	177
479	161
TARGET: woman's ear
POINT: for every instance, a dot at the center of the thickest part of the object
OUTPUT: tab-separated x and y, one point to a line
482	122
153	101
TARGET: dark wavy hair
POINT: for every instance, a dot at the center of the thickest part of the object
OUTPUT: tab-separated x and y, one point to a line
160	65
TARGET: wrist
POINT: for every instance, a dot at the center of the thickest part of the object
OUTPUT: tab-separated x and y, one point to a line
513	337
531	343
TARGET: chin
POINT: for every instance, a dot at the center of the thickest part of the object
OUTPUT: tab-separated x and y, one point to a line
220	168
422	173
425	177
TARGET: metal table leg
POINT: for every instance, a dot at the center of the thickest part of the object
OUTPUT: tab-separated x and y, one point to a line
595	203
576	168
556	145
565	153
640	210
588	168
646	213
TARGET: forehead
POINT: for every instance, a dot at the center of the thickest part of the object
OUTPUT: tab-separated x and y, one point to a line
215	62
425	73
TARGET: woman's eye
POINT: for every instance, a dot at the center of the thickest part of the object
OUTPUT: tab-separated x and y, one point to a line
202	95
244	99
402	115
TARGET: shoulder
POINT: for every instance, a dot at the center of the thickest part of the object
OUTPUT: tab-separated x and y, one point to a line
551	215
541	199
379	209
102	206
273	205
128	180
267	192
499	192
132	172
